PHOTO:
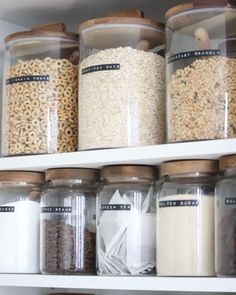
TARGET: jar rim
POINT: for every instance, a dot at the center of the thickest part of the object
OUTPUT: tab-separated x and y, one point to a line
22	176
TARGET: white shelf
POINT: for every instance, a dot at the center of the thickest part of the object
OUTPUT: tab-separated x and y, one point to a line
141	155
95	283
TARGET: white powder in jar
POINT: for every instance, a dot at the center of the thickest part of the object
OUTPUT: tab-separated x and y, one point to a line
125	106
185	236
19	230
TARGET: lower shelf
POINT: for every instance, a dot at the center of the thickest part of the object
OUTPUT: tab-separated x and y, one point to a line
96	283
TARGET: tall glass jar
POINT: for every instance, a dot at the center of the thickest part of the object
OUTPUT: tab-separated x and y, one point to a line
122	82
126	217
40	92
225	220
19	221
68	221
185	218
201	71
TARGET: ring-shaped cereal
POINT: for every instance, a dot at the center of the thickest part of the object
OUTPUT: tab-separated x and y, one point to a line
35	103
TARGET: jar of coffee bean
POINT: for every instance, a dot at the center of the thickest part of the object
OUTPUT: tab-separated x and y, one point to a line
226	218
68	221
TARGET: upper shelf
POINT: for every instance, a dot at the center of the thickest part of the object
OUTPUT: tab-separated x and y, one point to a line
72	12
153	155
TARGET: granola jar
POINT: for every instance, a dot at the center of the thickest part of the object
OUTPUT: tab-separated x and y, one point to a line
201	71
40	94
185	218
122	82
68	221
225	221
126	217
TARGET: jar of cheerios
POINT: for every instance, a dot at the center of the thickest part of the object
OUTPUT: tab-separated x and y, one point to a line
40	103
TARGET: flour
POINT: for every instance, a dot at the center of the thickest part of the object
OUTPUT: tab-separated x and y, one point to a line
185	236
19	230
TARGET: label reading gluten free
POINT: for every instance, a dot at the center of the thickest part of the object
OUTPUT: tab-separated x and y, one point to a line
34	78
7	209
194	54
178	203
230	201
115	207
60	209
102	67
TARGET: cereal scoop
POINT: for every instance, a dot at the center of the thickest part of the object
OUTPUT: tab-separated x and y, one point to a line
202	38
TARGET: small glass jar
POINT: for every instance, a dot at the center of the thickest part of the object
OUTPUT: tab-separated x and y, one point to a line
225	220
19	221
201	71
40	93
68	221
185	218
126	217
122	82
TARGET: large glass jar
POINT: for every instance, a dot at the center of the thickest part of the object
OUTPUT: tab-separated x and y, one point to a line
40	92
19	221
225	220
126	217
185	218
201	71
68	222
122	82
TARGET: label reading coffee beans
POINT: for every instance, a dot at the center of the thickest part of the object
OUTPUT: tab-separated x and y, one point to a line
56	210
103	67
230	201
179	203
193	54
7	209
115	207
34	78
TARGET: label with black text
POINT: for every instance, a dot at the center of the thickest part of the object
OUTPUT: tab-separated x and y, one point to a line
98	68
34	78
7	209
178	203
56	209
230	201
194	54
115	207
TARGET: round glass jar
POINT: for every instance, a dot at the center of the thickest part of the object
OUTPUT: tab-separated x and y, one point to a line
225	220
185	218
68	221
41	91
201	71
19	221
126	219
122	82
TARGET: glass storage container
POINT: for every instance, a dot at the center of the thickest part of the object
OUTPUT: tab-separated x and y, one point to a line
122	82
68	221
41	91
126	217
225	221
201	71
19	221
185	218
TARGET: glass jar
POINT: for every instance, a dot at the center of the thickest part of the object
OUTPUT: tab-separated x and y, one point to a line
126	217
40	92
68	221
185	218
122	82
19	221
201	71
225	220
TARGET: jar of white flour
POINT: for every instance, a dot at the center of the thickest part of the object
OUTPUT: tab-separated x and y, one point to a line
185	218
19	221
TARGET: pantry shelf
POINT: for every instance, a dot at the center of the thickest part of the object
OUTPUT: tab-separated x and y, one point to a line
141	155
95	283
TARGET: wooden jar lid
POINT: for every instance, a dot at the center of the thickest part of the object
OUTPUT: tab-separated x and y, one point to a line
45	30
189	166
130	173
23	176
227	162
72	173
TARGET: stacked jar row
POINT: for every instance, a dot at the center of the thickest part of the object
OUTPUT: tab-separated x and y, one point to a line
120	100
121	220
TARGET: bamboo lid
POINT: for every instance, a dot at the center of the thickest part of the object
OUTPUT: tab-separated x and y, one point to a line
45	30
72	173
227	162
189	166
23	176
128	172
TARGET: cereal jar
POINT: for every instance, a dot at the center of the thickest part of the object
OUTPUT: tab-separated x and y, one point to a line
201	71
40	91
